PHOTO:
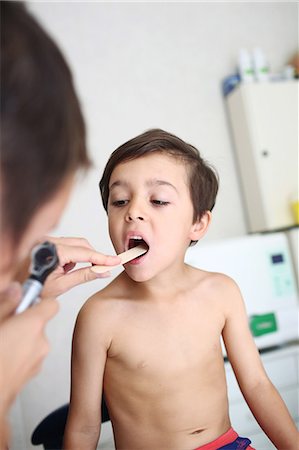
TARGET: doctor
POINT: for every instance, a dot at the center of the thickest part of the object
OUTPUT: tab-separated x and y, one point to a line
42	149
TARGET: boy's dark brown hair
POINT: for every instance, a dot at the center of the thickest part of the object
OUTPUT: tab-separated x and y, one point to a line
42	128
203	179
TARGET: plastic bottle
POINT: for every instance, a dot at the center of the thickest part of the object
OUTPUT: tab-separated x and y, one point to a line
261	68
245	66
288	72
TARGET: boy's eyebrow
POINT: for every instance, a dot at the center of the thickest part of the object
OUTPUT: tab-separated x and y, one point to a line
157	182
118	183
151	182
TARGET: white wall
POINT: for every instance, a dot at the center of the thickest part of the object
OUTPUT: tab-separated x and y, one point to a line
137	66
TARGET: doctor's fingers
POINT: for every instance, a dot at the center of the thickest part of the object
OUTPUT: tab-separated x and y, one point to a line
37	318
24	345
9	300
70	254
44	311
58	284
72	241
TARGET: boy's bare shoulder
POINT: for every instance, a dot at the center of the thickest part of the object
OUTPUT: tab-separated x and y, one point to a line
216	284
213	279
103	303
97	320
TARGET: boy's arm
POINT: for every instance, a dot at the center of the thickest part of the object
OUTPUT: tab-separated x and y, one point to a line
88	362
261	396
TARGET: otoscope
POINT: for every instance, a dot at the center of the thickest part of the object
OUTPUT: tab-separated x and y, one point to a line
44	260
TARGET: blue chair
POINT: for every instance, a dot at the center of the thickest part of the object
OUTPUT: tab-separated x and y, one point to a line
49	432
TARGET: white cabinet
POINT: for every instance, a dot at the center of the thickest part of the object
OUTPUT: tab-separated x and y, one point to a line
264	122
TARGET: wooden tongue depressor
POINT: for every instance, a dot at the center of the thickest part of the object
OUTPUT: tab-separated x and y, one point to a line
125	257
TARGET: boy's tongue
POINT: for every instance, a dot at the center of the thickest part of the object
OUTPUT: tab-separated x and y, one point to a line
137	242
134	242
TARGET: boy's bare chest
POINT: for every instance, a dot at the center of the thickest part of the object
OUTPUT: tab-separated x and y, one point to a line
177	339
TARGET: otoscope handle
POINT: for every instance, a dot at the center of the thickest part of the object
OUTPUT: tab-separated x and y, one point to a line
31	291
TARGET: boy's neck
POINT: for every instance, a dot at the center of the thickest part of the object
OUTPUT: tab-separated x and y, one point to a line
171	285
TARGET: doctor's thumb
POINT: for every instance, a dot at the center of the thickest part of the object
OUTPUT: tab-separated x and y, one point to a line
9	300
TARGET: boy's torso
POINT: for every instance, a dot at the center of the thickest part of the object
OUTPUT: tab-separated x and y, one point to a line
164	378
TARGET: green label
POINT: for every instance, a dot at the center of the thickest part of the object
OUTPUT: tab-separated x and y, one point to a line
263	324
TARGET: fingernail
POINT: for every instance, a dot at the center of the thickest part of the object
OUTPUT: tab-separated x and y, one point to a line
104	274
113	259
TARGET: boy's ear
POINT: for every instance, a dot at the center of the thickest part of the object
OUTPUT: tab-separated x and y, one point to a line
199	228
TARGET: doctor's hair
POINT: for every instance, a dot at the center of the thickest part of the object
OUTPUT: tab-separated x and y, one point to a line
202	177
42	128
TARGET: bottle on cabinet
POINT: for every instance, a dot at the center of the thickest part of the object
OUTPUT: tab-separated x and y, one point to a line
261	68
245	66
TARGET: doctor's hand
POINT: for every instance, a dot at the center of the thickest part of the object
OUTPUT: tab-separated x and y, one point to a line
70	252
23	346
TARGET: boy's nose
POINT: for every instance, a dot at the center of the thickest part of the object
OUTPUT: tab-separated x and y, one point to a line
135	212
131	217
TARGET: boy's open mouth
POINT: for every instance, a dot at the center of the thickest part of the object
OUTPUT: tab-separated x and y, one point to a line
135	241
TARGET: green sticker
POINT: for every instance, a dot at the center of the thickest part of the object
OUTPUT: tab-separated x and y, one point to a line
263	324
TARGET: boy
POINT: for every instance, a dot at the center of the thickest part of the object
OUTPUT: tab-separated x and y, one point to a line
151	339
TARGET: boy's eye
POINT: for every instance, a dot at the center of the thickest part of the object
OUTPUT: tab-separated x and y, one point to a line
159	202
119	202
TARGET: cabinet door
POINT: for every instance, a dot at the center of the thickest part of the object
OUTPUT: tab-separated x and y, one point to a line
274	114
264	117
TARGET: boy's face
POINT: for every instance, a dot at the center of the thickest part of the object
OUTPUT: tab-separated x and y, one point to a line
149	199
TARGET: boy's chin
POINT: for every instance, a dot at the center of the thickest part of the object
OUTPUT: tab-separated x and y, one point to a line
138	277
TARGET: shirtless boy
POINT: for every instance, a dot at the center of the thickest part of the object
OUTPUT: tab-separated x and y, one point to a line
151	339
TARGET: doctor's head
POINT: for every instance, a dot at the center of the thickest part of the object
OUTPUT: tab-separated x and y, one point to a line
42	130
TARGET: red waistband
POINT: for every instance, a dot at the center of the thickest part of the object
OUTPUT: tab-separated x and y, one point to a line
222	440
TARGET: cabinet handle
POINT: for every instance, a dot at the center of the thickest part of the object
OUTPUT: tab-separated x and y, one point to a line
265	153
